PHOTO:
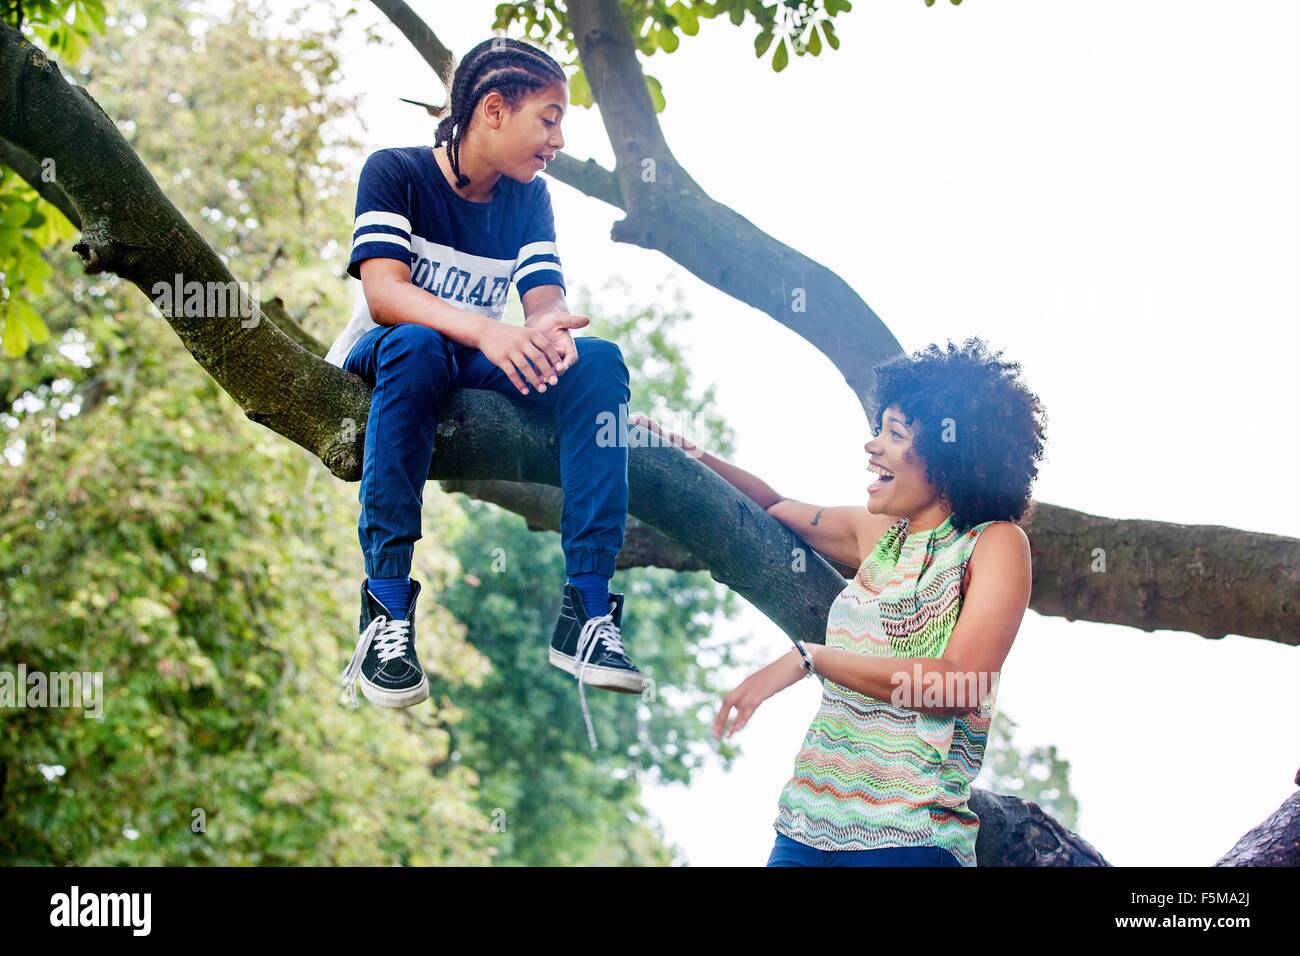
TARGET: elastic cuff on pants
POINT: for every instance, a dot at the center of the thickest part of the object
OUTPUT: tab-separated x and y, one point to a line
590	562
389	564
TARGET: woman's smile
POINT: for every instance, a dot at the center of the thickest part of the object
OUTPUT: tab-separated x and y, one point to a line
886	477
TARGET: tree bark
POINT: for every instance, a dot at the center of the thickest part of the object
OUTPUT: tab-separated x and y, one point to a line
1275	842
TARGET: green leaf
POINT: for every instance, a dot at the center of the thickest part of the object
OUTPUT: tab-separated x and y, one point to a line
15	335
737	14
94	9
656	93
781	58
668	40
33	325
814	41
686	18
580	90
17	214
831	38
35	271
762	42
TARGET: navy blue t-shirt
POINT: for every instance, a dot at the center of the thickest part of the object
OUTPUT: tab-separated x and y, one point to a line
467	253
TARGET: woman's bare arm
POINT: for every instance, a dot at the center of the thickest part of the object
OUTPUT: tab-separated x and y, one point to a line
842	534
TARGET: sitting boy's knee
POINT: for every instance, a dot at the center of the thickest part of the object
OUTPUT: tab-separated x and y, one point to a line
599	350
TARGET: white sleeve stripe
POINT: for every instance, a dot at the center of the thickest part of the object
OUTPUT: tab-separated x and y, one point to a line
535	267
537	249
381	237
537	260
382	219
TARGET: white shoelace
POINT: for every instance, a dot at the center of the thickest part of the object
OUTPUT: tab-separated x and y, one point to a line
595	630
390	637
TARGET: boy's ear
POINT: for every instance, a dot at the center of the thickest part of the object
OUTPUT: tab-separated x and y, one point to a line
493	106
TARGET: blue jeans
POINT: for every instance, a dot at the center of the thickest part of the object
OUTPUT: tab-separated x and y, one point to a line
789	852
411	367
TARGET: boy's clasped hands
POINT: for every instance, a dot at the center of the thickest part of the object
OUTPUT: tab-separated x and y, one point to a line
537	352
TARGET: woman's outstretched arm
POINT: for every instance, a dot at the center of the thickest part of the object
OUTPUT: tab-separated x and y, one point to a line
838	533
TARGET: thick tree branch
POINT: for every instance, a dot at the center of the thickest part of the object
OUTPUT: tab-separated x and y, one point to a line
1015	832
589	177
1275	842
274	310
541	505
668	211
422	38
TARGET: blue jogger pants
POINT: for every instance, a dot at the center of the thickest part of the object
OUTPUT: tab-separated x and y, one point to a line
411	367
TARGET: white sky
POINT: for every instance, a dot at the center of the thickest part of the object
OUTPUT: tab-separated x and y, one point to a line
1108	191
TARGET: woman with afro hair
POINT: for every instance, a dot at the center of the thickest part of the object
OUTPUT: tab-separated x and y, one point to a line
915	642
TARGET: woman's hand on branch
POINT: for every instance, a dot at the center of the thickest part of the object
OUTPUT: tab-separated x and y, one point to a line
666	437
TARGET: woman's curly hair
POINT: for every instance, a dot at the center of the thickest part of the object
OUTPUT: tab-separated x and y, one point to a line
981	431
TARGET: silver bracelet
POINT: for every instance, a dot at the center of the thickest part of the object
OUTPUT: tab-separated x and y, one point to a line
809	670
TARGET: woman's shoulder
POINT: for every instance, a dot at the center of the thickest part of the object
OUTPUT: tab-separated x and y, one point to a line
999	547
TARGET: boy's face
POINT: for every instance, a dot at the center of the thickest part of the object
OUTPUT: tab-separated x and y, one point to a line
530	136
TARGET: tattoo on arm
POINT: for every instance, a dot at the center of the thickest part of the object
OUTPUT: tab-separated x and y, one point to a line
818	516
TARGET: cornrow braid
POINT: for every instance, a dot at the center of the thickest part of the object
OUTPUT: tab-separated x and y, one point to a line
511	67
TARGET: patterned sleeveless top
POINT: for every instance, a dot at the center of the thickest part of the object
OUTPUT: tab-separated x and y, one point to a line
870	774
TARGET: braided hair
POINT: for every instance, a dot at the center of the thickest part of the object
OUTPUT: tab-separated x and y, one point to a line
511	67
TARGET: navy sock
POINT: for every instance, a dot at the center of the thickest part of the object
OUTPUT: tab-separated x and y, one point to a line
394	592
594	589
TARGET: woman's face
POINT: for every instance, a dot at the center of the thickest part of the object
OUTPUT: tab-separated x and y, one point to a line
908	492
532	134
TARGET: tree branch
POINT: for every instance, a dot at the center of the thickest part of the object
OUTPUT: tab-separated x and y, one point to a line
541	506
1275	842
275	311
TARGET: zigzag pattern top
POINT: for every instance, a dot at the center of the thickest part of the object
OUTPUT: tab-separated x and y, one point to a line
870	774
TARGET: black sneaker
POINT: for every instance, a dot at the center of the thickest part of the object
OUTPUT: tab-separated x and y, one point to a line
384	660
591	649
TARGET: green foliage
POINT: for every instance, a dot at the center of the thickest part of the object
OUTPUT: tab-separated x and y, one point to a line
798	27
64	28
165	543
